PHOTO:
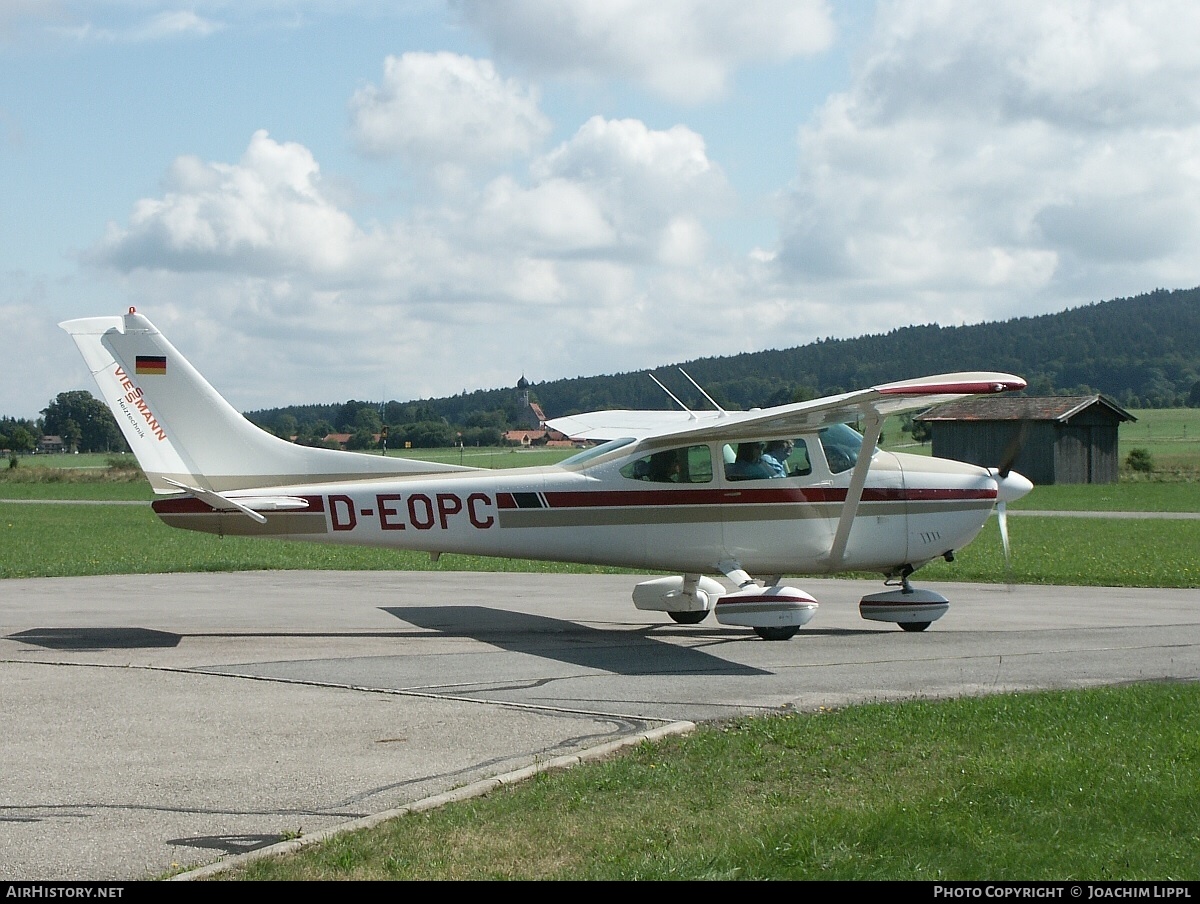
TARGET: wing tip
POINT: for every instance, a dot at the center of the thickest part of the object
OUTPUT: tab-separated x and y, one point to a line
956	384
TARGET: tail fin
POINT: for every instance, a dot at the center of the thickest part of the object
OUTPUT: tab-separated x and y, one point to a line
184	433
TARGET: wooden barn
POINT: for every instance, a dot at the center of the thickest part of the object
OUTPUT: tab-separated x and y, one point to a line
1065	439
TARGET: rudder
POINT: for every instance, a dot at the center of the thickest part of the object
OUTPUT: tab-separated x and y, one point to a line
182	430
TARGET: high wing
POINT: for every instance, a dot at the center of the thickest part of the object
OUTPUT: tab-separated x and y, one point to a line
785	420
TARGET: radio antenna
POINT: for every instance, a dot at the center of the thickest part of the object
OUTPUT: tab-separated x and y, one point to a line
702	392
668	392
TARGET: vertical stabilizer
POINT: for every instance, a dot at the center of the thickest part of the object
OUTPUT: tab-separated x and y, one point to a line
182	430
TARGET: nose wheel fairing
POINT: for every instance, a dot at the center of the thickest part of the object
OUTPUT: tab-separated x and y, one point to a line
911	608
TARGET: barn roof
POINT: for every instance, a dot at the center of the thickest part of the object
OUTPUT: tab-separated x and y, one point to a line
1021	408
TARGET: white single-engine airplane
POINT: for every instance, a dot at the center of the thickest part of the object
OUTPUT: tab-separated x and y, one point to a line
676	491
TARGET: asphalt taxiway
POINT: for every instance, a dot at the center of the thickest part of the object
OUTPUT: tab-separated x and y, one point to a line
153	722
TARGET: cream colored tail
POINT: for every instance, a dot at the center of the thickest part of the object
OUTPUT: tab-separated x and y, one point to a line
185	434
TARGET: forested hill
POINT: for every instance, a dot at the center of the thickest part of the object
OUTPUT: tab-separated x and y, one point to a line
1143	352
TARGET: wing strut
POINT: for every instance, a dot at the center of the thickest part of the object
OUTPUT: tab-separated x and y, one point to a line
858	480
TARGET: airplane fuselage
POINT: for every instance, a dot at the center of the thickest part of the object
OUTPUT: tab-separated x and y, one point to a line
913	509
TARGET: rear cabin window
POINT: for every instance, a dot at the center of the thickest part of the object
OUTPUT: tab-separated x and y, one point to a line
690	464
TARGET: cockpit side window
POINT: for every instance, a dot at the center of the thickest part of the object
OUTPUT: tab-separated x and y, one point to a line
767	459
798	463
690	464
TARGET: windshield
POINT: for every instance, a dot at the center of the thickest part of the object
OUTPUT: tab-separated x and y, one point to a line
596	451
841	443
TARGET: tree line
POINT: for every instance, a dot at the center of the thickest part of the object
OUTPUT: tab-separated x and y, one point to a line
1143	352
83	422
418	425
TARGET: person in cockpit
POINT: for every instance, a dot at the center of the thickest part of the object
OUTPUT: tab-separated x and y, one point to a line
665	467
748	465
776	455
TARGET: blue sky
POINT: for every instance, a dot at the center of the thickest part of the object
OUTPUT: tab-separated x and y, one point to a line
319	201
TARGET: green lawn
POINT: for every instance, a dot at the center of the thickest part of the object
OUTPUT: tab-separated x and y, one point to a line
1126	496
46	540
1170	435
1074	786
60	540
53	540
91	461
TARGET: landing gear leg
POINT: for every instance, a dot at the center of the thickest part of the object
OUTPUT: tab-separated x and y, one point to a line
687	599
691	590
914	626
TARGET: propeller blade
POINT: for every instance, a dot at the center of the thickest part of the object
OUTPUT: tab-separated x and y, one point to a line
1009	487
1013	449
1002	518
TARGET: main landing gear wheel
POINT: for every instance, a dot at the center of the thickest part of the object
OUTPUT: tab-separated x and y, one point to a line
914	625
785	633
690	617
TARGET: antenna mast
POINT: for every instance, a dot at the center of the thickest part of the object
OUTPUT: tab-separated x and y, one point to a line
668	392
701	388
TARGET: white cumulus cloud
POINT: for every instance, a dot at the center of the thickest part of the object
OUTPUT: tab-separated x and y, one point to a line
266	213
434	108
684	50
640	183
998	159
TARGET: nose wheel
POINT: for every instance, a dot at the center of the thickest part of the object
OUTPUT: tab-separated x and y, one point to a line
784	633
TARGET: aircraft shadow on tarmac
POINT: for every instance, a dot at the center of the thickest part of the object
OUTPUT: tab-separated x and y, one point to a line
97	638
620	652
228	844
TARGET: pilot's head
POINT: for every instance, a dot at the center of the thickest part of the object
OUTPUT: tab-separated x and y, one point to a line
780	449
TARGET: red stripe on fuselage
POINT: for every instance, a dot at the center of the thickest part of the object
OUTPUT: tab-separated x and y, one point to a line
190	505
739	496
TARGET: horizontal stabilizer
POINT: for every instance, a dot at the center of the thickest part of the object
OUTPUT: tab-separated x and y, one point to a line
223	503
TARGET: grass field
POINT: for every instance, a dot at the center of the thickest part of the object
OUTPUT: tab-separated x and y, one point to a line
1087	785
50	540
64	540
1171	436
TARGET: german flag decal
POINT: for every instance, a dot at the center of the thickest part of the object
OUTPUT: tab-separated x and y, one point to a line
150	364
